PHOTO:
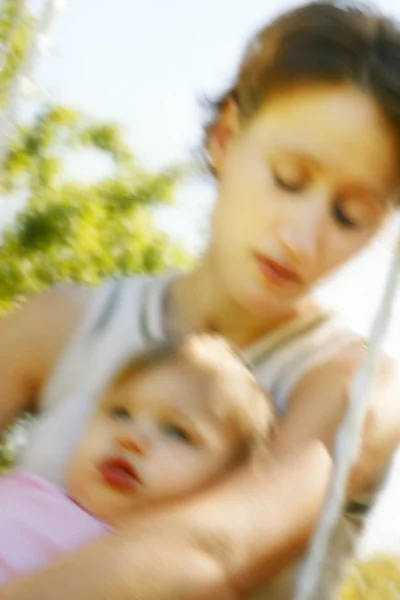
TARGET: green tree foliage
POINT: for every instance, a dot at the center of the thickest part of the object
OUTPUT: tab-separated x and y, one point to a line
71	230
16	24
75	231
375	579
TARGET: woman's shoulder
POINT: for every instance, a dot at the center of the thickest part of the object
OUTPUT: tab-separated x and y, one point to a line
33	335
319	402
333	364
70	304
118	318
57	311
36	333
338	367
294	350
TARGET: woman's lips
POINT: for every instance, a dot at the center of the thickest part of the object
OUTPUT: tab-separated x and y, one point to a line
276	272
119	474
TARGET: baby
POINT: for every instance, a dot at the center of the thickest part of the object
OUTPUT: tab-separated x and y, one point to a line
171	422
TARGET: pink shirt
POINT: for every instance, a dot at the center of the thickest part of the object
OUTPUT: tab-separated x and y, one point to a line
38	522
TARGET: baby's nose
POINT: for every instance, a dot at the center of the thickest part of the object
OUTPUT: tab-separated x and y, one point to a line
136	444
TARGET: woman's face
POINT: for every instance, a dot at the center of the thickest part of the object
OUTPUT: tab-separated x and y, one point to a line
303	187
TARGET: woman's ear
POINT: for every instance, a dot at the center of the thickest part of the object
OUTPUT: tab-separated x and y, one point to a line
221	134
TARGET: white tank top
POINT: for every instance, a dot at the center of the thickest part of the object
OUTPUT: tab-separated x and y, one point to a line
123	317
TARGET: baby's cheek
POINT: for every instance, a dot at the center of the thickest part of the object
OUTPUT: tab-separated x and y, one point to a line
82	467
85	487
75	483
191	472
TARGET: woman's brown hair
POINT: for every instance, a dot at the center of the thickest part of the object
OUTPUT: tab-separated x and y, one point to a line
328	42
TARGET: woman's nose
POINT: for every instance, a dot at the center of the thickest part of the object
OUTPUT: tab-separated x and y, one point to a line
301	235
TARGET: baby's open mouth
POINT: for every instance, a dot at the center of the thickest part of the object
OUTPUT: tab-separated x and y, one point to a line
120	474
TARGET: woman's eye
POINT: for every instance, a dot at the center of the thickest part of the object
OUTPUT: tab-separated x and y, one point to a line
176	432
342	218
288	185
120	413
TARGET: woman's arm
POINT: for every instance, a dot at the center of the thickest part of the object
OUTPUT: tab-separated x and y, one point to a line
31	339
219	544
318	405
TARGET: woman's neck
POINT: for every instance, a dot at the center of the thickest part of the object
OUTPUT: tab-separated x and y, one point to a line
198	302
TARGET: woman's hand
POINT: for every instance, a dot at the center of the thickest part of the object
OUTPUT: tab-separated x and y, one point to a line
216	545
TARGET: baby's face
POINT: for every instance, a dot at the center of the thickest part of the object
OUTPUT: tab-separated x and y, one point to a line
155	436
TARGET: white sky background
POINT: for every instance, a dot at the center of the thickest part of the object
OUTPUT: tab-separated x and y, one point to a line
146	65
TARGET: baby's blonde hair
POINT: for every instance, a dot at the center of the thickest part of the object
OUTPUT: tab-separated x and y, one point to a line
239	397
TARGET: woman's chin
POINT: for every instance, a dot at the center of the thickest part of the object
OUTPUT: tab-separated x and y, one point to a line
258	300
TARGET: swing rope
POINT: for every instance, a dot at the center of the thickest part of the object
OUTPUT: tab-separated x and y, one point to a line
347	445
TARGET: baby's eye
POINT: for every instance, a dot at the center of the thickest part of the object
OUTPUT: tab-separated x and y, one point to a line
120	413
176	432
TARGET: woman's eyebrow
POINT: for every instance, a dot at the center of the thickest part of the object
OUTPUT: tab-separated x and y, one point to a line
384	197
301	156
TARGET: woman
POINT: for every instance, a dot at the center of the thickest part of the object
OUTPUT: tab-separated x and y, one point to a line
305	150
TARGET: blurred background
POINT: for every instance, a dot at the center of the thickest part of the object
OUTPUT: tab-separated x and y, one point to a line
99	171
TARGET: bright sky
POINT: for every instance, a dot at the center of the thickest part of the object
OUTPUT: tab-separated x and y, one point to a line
146	65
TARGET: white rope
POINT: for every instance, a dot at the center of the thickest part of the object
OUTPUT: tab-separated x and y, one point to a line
37	47
347	446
